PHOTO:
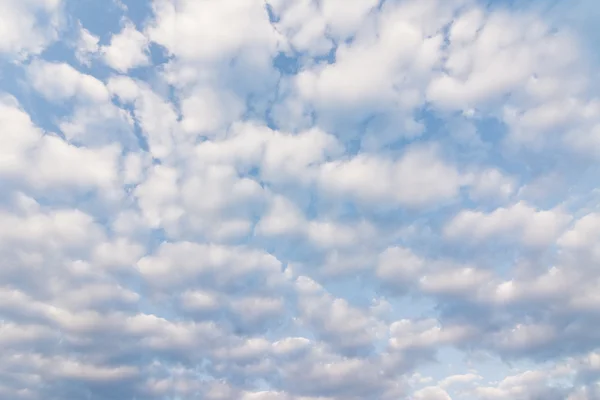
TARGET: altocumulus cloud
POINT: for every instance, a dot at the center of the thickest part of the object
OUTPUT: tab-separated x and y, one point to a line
299	200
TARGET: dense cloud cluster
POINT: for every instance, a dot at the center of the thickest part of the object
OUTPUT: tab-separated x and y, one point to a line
299	200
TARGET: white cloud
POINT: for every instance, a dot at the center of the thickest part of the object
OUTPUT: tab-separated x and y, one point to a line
62	164
459	379
285	218
20	135
454	280
494	55
373	79
432	393
304	200
379	55
306	23
86	46
524	385
425	334
399	266
207	110
95	121
333	319
583	235
27	27
59	82
523	336
156	117
492	184
128	49
118	253
281	156
419	178
56	229
176	265
203	30
282	218
501	53
47	161
519	222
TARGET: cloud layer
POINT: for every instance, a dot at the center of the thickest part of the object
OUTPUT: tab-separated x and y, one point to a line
299	200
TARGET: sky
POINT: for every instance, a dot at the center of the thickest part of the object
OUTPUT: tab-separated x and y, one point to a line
299	200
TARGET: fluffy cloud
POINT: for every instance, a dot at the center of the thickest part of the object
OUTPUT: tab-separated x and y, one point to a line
520	222
59	82
298	200
95	120
373	179
45	161
29	26
127	49
86	46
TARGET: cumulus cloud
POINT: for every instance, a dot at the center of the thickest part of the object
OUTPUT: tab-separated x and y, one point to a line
519	221
28	27
127	49
44	160
86	46
376	179
298	200
60	82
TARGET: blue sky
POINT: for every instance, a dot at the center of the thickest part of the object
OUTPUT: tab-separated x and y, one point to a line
299	200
